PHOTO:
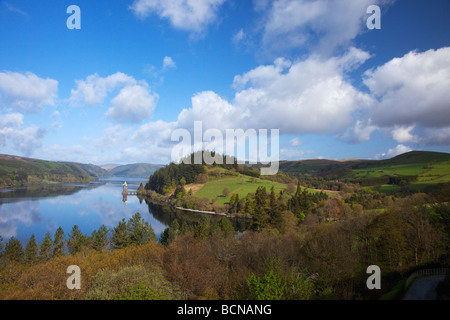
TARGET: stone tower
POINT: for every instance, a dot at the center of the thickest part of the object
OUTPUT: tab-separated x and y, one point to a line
125	188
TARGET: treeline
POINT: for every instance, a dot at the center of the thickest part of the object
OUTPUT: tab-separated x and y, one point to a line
266	209
209	260
188	171
135	231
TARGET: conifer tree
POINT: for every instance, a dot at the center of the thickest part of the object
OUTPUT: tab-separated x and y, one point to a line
99	238
31	251
202	230
58	243
274	210
139	231
76	240
14	250
46	247
120	238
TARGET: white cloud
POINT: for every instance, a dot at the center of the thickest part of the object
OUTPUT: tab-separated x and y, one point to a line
303	97
239	36
14	120
437	137
27	92
399	149
295	142
309	96
94	89
15	136
133	104
412	90
213	110
168	63
321	25
189	15
402	134
361	132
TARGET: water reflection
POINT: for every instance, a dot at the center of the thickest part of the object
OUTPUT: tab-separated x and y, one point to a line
28	211
35	211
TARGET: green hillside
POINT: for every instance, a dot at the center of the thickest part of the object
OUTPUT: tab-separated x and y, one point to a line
239	184
19	171
417	169
138	170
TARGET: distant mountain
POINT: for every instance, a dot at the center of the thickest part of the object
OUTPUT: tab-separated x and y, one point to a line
109	166
21	171
137	170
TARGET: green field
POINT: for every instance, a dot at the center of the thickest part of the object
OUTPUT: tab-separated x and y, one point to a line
426	172
240	184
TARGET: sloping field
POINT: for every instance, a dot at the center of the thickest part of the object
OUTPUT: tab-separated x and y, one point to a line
240	184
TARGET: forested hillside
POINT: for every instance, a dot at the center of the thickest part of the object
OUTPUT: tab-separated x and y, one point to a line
137	170
19	171
309	260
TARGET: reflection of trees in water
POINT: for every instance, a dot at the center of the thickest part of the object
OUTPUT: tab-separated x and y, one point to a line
39	192
166	214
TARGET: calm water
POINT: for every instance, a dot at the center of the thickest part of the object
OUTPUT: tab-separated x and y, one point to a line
28	211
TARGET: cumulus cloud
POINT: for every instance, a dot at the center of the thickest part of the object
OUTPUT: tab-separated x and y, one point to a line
412	90
302	97
17	137
399	149
360	132
27	92
318	25
189	15
309	96
402	134
437	137
94	89
132	104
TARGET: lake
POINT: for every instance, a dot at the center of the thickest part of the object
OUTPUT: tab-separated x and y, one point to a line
36	210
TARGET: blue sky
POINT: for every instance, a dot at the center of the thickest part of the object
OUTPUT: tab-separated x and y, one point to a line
115	90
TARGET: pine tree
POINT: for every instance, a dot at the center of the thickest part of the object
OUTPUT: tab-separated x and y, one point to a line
58	243
259	213
226	227
31	251
14	250
76	240
45	249
99	238
274	210
120	238
139	231
202	230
